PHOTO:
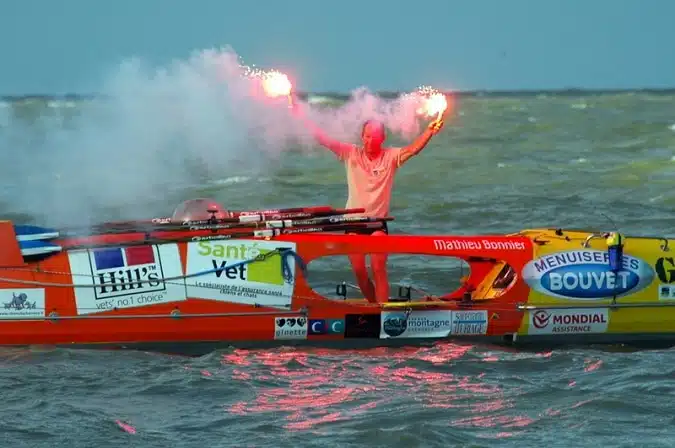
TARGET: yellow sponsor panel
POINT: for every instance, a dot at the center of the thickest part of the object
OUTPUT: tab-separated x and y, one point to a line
267	270
573	270
643	320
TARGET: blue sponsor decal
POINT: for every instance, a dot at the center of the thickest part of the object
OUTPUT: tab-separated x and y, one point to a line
586	275
336	326
326	326
317	326
395	324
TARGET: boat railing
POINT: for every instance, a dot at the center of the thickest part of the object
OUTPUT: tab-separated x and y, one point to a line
591	237
664	247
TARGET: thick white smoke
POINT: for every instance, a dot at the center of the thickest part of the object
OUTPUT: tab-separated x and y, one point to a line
158	130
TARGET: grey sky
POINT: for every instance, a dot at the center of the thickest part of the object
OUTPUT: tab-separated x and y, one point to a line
56	47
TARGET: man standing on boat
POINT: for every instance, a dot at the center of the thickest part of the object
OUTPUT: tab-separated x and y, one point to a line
370	179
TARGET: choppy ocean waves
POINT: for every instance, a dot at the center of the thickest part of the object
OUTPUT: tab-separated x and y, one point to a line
440	395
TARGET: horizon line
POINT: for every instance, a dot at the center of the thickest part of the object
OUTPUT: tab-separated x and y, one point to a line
393	93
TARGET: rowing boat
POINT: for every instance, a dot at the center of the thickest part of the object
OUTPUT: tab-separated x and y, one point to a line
214	277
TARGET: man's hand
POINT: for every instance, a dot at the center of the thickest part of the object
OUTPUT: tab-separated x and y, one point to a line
436	126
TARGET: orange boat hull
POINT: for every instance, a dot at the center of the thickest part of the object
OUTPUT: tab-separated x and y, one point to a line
75	298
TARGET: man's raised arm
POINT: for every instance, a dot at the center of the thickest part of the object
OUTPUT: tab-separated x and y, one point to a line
340	149
420	142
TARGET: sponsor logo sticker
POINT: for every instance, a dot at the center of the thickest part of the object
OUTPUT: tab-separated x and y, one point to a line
469	323
126	277
570	321
665	269
326	326
585	275
362	326
290	328
433	324
22	303
261	282
666	292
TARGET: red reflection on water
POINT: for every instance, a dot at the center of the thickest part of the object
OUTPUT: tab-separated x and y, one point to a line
592	365
294	398
321	386
238	357
443	353
238	374
308	423
126	427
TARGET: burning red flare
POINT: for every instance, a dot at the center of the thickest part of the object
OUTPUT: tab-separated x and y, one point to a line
276	84
433	102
